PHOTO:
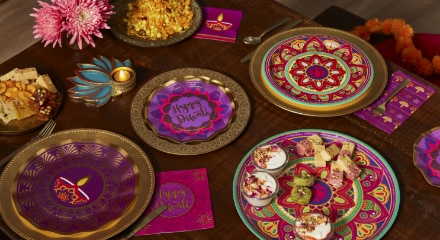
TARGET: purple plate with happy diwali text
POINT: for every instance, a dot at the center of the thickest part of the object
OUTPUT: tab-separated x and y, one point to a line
190	109
76	184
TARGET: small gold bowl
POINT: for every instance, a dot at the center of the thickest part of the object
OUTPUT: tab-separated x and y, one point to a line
123	79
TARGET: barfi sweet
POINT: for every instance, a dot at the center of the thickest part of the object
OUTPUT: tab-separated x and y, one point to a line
347	149
305	147
350	168
313	226
271	158
259	188
330	152
336	175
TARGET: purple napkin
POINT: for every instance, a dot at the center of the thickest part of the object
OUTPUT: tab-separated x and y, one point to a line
219	24
187	194
405	103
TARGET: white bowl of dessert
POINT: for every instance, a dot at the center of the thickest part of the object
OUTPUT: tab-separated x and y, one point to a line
313	226
270	158
259	188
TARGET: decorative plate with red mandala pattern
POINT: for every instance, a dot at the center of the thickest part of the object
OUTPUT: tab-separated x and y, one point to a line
364	208
318	71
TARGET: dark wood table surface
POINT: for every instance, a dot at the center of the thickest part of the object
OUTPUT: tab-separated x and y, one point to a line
418	216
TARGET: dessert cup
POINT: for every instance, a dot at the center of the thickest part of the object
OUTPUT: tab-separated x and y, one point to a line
315	226
270	158
259	188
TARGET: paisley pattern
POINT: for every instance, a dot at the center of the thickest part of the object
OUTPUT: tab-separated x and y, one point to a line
427	155
98	184
93	82
317	70
363	208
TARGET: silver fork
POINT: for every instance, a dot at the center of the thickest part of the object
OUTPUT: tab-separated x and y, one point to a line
47	129
380	109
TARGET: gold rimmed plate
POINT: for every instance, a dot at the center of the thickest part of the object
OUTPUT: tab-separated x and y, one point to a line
318	71
76	184
190	111
119	27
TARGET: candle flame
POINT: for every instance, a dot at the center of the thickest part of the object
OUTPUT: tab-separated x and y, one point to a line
220	17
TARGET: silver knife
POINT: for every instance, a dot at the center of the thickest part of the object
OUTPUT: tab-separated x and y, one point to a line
142	222
292	24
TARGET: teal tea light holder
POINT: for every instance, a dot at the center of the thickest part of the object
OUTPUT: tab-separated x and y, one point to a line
95	83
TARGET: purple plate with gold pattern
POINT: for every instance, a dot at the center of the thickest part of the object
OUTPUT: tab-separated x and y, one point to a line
76	184
364	208
427	155
318	71
190	109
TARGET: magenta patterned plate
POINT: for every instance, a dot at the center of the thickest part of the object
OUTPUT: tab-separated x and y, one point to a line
318	71
82	183
427	155
364	208
190	109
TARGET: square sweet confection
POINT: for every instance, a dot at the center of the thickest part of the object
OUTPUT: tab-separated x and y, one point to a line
350	168
330	152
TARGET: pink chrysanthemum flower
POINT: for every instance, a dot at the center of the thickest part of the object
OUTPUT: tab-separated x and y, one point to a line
85	18
49	24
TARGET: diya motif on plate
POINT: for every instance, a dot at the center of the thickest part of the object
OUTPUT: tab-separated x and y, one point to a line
76	184
318	71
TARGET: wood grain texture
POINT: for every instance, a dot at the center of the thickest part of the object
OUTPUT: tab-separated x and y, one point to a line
16	24
419	201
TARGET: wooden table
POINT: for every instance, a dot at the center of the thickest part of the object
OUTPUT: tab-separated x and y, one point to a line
420	202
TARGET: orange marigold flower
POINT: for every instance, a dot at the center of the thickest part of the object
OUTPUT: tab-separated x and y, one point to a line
411	55
386	26
402	43
374	25
436	64
403	31
424	67
362	32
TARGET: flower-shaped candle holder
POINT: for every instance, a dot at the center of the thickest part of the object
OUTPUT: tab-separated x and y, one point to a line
96	82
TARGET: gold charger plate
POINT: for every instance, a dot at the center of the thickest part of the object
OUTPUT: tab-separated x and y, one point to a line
76	184
237	125
291	68
119	27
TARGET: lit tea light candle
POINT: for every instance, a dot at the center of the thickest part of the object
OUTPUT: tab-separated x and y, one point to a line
122	74
123	80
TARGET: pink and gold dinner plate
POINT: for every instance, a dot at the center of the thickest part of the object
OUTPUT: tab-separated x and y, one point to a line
190	111
318	71
76	184
363	208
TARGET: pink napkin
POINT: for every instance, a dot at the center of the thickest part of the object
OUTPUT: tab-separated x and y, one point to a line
187	194
428	43
400	108
219	24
